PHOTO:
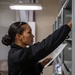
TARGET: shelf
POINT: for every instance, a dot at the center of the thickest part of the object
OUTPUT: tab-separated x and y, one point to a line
66	72
70	39
68	4
59	59
67	55
68	65
65	58
55	62
69	48
59	15
60	56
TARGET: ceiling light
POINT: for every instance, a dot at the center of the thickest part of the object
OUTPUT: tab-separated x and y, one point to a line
22	6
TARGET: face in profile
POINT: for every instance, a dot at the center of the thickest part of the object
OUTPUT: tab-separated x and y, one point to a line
27	36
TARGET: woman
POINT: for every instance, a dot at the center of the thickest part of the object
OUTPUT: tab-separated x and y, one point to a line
23	60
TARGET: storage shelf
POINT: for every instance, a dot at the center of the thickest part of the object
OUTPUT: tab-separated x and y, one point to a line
69	48
70	39
59	59
68	65
65	58
68	4
66	72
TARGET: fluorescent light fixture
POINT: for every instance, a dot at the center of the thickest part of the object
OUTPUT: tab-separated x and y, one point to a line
22	6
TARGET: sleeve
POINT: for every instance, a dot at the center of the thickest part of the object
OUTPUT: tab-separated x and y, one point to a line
46	46
41	49
40	67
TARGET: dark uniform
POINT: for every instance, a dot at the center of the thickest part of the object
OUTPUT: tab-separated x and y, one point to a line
24	61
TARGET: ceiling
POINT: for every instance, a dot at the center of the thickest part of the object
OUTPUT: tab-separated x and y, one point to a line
7	0
10	1
14	0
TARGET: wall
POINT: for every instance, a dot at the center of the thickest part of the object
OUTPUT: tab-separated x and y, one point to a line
44	21
6	18
46	17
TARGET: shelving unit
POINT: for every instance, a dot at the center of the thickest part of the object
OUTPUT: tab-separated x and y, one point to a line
65	58
69	39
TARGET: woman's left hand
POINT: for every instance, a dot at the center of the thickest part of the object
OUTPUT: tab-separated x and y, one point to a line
44	62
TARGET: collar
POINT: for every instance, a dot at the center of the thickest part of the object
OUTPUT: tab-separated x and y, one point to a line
13	45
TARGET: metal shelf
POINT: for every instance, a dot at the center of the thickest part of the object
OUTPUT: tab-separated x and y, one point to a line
69	39
65	57
68	4
68	65
66	72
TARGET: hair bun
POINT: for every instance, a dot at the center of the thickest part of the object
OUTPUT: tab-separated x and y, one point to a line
6	40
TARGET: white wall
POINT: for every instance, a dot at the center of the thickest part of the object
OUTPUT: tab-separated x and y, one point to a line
46	17
6	18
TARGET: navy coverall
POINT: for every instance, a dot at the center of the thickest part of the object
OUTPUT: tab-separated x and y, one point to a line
24	61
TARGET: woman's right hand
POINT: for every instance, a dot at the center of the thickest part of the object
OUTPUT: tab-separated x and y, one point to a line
70	24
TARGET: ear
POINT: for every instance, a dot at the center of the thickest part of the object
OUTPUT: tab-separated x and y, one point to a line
19	36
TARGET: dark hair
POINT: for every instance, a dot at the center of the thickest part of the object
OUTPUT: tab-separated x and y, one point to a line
13	30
